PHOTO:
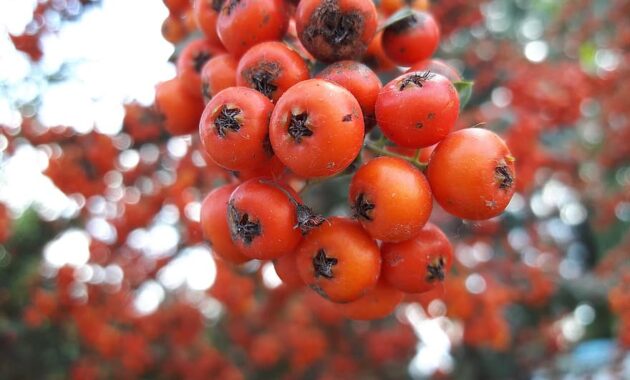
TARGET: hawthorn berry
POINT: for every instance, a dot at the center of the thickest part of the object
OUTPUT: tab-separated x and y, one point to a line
234	129
267	219
245	23
419	264
472	174
390	198
271	68
339	260
206	13
333	30
218	74
316	128
177	107
417	109
377	303
411	39
190	62
215	226
360	80
286	269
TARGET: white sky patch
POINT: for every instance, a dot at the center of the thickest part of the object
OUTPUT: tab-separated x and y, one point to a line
270	277
194	268
148	297
69	248
433	352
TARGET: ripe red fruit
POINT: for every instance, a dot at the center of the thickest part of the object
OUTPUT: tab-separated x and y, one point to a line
179	109
316	128
245	23
362	82
390	198
472	174
206	13
191	61
234	129
286	269
263	219
215	226
417	109
339	260
377	303
218	74
411	39
333	30
419	264
271	68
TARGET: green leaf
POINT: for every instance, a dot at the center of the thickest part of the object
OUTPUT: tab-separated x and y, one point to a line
464	89
402	14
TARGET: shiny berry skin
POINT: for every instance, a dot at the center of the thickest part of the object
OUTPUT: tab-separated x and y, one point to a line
190	62
417	109
412	39
234	129
263	220
472	174
339	260
316	128
286	269
377	303
334	30
271	68
419	264
206	13
360	80
179	109
218	74
390	198
245	23
215	227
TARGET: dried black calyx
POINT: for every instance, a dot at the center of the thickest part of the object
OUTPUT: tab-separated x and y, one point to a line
217	4
298	127
323	265
307	219
229	7
200	59
362	207
333	25
227	121
415	79
403	24
241	227
504	177
347	118
436	270
262	78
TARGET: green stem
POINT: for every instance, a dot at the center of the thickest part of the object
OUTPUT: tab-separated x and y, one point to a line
383	152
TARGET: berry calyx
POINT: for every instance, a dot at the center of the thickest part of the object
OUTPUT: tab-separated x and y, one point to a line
323	265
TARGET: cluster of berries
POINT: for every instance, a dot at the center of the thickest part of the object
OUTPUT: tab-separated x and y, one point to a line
249	87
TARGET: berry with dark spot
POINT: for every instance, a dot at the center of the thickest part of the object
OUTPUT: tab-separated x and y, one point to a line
419	264
234	129
333	30
262	219
339	260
